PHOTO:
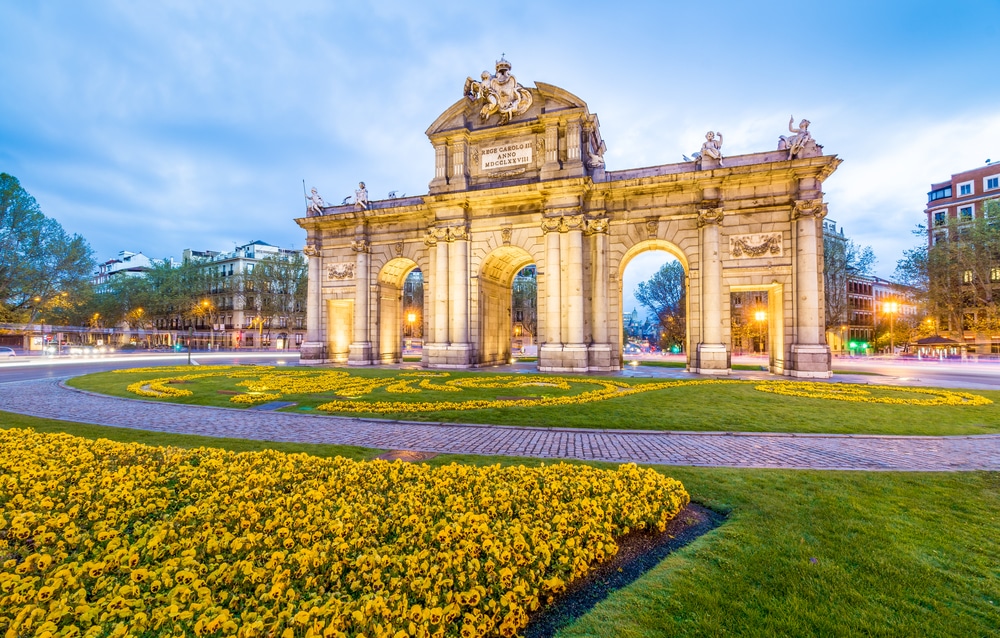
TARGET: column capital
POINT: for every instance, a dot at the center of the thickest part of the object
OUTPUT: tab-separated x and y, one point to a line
361	246
437	234
310	250
596	226
809	208
564	223
710	215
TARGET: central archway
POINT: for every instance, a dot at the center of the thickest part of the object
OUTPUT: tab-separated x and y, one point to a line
496	279
671	251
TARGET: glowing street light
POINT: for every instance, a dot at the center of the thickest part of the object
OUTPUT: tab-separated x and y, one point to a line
891	308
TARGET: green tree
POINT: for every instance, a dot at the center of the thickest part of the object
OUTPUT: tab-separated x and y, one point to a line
842	258
274	292
665	295
958	277
42	268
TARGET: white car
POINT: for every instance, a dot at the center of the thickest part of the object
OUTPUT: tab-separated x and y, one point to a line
7	353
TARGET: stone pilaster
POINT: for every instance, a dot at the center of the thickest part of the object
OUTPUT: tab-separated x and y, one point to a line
361	346
311	350
711	355
458	296
599	350
810	354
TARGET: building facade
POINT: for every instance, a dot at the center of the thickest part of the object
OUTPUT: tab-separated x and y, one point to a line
519	180
960	198
244	310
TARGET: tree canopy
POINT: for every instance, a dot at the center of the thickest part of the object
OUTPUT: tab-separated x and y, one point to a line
959	275
41	266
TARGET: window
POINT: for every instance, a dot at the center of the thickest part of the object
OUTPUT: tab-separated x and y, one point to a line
965	212
994	274
965	189
992	182
995	347
940	236
939	217
298	338
967	277
940	193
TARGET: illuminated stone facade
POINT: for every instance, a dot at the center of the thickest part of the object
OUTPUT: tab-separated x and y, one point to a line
531	188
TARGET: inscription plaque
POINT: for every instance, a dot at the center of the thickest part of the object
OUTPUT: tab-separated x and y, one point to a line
504	156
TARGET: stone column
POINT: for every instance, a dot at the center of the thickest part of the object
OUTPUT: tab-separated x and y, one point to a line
459	175
574	348
458	291
551	166
361	346
550	350
441	294
312	348
599	358
711	356
810	355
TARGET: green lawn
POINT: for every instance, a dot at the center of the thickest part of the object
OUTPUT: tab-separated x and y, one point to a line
801	553
734	406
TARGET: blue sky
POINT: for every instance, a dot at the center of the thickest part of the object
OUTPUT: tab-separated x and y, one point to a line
156	127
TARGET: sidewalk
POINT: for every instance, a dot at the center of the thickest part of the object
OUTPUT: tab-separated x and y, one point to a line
47	398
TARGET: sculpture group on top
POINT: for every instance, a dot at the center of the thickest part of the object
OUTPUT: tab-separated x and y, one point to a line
498	93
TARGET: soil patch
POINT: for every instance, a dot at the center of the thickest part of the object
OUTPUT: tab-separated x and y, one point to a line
410	456
638	552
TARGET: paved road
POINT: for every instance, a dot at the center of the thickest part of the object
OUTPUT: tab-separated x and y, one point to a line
47	398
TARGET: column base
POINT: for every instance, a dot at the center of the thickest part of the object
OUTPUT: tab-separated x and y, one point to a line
571	357
599	358
810	361
312	353
710	358
360	354
448	355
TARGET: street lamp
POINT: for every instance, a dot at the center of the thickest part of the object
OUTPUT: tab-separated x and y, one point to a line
760	316
410	319
891	308
207	305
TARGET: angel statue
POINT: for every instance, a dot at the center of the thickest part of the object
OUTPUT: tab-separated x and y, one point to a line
712	147
361	197
316	203
794	144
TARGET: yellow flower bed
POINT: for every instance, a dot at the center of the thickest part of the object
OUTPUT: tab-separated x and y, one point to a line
108	539
863	393
266	383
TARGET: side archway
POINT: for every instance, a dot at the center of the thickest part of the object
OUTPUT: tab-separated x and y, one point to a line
391	282
496	278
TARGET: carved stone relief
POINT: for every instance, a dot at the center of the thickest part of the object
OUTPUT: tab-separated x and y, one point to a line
750	246
341	271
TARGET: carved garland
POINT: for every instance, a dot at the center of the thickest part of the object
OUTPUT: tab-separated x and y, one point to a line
748	246
341	271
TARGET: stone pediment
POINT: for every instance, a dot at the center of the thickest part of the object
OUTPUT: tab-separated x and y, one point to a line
501	130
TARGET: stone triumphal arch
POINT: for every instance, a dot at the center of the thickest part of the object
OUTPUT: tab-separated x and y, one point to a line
519	179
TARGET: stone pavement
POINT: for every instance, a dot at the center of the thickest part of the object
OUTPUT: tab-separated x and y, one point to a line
47	398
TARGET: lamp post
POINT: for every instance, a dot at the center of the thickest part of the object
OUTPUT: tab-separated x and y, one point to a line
891	308
207	305
190	333
760	316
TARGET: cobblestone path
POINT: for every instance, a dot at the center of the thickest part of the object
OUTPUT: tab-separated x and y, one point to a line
46	398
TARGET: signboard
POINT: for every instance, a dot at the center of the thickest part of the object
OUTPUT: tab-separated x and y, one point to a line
505	156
